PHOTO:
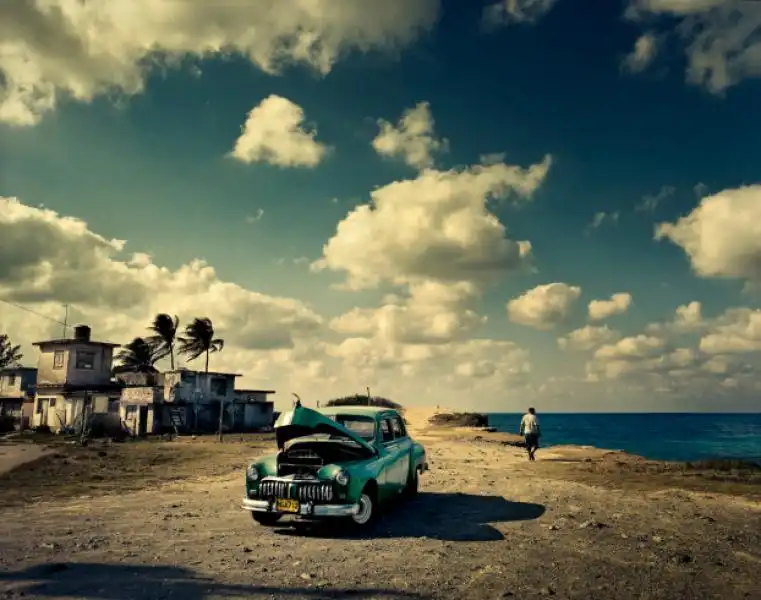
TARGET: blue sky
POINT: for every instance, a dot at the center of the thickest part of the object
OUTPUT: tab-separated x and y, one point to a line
153	168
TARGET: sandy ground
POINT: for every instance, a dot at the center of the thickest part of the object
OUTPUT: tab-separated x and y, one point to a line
13	456
487	524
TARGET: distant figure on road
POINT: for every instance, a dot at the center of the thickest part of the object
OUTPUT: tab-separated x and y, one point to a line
531	432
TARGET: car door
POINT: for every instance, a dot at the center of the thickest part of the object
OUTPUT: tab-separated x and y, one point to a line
387	480
402	445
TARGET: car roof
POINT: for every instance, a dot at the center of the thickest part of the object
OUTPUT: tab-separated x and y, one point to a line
364	411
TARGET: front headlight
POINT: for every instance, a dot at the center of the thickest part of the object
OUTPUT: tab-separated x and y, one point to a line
252	472
342	478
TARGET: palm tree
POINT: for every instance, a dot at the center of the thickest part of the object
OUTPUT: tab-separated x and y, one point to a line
139	356
10	355
199	339
164	328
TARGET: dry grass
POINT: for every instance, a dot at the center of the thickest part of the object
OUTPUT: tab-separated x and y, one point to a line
101	468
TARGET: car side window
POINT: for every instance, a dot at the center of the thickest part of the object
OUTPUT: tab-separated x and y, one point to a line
387	434
397	427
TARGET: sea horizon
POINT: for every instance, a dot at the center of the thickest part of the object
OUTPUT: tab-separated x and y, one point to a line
673	436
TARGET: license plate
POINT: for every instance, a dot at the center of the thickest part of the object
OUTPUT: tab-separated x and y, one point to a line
286	505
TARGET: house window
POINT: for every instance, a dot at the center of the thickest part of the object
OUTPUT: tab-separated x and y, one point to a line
38	406
113	405
58	359
218	386
11	380
85	360
131	412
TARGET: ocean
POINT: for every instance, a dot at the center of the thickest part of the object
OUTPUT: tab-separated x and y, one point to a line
659	436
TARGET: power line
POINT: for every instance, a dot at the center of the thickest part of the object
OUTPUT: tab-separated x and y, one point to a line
34	312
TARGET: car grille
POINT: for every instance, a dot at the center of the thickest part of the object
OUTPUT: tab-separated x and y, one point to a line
304	491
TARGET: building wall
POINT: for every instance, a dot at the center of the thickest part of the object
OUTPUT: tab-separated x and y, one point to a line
196	387
58	411
19	384
257	415
50	373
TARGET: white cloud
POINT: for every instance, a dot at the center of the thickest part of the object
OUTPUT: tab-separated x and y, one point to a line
63	48
688	318
47	259
720	37
256	217
434	227
737	331
651	202
640	346
602	309
544	306
600	218
274	133
506	12
722	236
433	313
588	338
643	54
412	139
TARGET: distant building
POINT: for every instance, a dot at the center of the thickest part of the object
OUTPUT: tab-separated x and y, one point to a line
190	401
74	382
252	410
17	386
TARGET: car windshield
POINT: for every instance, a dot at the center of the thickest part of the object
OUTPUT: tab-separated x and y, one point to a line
364	427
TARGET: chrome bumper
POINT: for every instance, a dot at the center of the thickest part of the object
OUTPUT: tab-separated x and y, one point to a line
307	509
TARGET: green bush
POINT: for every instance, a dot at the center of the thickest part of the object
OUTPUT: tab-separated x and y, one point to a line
364	400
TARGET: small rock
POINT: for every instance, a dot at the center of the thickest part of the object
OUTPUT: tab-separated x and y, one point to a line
681	558
657	539
306	576
547	591
592	525
49	546
553	528
246	549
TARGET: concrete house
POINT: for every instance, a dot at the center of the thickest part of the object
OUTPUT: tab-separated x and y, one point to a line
251	410
17	386
74	382
190	401
197	396
142	408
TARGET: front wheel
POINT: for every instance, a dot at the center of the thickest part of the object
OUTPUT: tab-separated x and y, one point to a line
367	509
267	519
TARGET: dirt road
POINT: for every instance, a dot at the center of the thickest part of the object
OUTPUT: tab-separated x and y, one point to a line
484	526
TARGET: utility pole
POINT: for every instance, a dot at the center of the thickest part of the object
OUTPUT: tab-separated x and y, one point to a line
368	395
65	320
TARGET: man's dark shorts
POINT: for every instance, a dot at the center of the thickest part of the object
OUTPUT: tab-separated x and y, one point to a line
532	440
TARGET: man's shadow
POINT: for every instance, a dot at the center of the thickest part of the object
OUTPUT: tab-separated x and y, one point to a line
435	515
99	581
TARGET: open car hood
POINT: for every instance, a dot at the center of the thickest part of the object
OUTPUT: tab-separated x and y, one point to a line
302	421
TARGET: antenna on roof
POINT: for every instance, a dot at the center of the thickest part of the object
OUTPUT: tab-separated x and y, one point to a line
65	320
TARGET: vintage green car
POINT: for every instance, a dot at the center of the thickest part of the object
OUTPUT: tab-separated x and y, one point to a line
343	461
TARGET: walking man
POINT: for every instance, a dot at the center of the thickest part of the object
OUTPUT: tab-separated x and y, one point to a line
531	432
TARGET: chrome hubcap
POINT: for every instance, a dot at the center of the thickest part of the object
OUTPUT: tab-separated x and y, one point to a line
365	510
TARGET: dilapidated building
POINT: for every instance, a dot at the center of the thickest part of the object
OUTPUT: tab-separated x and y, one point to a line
17	385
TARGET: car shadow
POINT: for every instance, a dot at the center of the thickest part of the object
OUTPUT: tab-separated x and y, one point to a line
440	516
102	581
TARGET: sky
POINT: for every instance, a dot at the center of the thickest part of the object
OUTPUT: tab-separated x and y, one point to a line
479	204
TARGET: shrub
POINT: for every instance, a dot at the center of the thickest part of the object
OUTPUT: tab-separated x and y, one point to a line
364	400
